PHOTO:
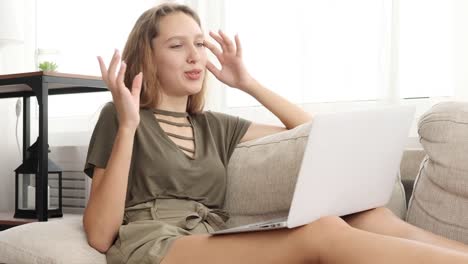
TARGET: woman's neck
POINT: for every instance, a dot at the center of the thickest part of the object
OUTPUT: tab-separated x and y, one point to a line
173	104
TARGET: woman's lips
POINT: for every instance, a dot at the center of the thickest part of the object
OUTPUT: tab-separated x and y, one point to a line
193	75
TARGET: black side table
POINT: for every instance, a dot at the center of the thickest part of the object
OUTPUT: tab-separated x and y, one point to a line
42	84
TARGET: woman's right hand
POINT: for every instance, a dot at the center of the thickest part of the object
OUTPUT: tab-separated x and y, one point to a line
126	101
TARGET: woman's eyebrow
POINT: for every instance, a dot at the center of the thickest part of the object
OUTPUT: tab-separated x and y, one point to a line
197	36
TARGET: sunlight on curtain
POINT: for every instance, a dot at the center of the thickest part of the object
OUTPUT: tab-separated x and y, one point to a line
426	43
307	51
311	51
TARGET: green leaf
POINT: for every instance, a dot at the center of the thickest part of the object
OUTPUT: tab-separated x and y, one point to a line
48	66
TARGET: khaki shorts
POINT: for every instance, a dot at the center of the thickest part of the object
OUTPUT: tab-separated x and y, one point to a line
149	228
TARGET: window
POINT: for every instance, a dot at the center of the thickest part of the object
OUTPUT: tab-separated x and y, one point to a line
312	51
425	56
307	51
339	50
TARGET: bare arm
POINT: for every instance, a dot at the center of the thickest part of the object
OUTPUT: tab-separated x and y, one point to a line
290	114
104	212
234	74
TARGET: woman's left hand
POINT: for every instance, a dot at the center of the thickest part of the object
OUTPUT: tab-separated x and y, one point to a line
233	71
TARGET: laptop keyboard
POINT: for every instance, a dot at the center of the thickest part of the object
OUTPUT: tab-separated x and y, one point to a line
276	220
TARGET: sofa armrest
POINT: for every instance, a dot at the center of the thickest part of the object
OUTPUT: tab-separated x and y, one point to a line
49	242
440	198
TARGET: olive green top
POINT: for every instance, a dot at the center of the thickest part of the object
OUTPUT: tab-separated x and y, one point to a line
159	168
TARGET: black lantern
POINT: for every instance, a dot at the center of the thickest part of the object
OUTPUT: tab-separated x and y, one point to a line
25	186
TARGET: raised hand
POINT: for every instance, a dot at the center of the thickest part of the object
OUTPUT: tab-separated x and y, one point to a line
126	101
233	71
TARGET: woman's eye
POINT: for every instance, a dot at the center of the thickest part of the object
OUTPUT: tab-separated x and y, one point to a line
200	44
176	46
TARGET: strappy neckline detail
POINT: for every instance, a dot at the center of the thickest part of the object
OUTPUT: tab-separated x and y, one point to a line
169	113
173	123
179	136
167	135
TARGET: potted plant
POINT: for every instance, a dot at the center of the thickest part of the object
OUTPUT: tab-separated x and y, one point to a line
46	59
48	66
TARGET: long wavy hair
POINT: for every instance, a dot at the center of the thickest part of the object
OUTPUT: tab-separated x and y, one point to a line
138	55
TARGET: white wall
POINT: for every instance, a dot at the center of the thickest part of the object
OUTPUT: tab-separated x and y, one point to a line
10	158
13	59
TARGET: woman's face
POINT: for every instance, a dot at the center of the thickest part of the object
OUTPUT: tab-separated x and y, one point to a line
180	55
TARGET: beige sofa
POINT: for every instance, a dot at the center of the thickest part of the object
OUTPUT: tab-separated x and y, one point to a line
440	198
260	184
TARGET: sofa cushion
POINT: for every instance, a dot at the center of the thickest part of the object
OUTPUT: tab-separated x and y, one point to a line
440	197
267	166
54	242
262	176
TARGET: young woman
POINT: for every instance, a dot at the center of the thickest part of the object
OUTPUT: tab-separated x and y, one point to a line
158	163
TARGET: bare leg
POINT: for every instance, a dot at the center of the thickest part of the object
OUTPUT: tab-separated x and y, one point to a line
272	247
383	221
365	247
327	240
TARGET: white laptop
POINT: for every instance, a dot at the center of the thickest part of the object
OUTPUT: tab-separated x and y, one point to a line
350	164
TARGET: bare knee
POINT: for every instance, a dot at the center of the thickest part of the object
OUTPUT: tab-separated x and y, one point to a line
371	219
317	238
327	223
380	221
379	213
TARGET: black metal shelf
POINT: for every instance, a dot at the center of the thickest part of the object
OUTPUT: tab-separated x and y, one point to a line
41	85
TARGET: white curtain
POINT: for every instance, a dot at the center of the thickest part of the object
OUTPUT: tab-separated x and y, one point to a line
343	51
312	51
308	51
426	48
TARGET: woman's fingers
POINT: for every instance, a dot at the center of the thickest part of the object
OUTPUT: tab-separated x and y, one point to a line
229	45
113	66
136	85
103	68
120	77
109	74
214	50
220	41
238	46
212	68
226	43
